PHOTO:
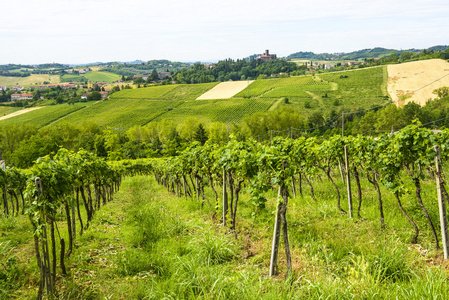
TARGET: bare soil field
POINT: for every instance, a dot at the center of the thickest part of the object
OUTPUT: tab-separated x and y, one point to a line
225	90
415	81
22	111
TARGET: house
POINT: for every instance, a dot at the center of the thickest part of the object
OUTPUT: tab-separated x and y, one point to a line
2	88
267	56
329	66
353	63
18	96
17	88
68	86
163	75
84	96
104	95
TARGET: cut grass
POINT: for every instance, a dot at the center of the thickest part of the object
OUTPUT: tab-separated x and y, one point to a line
30	80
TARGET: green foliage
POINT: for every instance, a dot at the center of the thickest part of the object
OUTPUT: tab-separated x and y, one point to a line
442	91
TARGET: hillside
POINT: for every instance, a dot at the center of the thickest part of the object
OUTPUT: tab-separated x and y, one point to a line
415	81
359	54
325	93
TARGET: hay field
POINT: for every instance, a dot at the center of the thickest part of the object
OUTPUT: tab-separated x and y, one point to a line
225	90
32	79
415	81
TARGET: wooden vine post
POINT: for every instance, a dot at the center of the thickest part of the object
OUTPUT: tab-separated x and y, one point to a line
348	182
276	235
225	198
281	221
4	195
441	203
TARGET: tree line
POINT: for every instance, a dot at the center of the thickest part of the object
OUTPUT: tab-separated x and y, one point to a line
22	144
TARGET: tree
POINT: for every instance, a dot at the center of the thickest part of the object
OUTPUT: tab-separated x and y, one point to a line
200	134
154	75
441	92
37	95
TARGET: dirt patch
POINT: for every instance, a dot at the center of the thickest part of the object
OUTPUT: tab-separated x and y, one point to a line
22	111
225	90
416	81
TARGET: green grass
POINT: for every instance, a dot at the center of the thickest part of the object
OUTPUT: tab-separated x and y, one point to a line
149	244
46	115
100	76
361	88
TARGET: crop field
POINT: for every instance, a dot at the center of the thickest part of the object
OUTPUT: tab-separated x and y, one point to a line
32	79
166	92
218	110
119	113
99	76
45	115
6	110
225	90
415	81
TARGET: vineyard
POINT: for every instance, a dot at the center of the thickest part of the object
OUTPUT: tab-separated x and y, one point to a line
325	93
217	110
165	92
117	112
382	243
46	115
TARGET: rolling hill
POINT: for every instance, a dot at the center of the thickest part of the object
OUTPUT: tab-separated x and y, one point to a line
325	93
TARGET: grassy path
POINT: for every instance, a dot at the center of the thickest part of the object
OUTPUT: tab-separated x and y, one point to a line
149	244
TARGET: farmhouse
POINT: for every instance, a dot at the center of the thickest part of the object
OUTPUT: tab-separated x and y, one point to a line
104	95
267	56
17	88
163	75
16	96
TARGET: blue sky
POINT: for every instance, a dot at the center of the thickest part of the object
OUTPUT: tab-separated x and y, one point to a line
82	31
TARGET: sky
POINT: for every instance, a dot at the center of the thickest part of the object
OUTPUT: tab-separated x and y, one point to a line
85	31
